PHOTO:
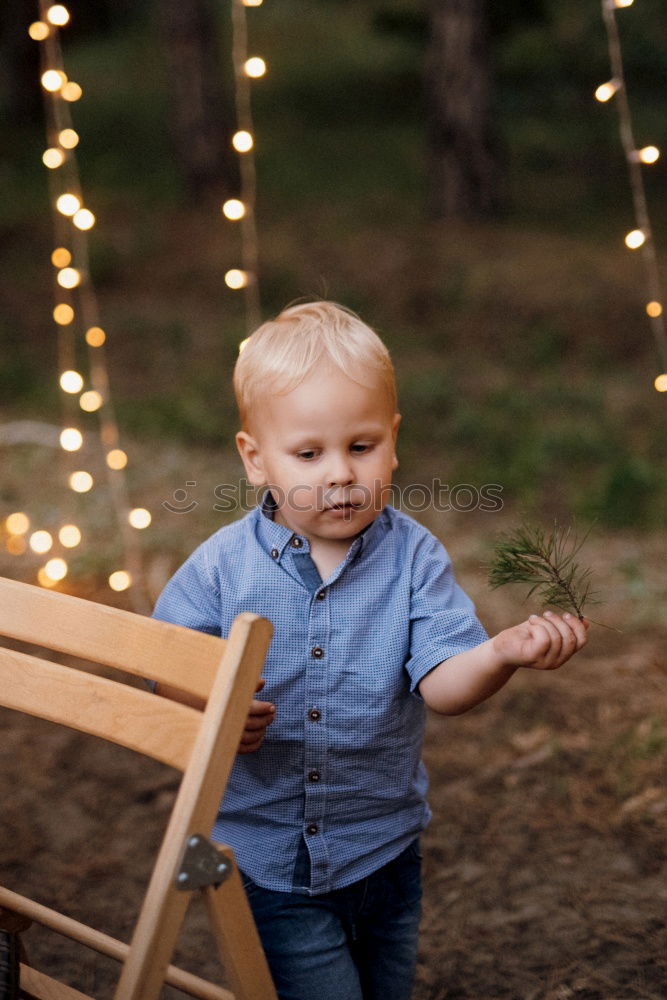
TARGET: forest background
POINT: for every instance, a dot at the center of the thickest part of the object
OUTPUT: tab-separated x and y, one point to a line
524	360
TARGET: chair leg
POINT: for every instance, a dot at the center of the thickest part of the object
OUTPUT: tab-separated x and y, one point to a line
236	935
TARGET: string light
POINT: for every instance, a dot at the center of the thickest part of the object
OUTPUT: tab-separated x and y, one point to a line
58	15
38	31
120	580
17	524
71	91
71	439
233	209
606	91
53	158
635	239
71	381
63	314
56	569
242	209
69	536
91	401
81	481
83	219
139	518
236	279
68	204
40	541
255	67
53	80
642	235
80	315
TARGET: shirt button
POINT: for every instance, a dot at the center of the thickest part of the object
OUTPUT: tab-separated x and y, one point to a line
314	776
311	828
317	652
296	542
314	715
274	553
321	594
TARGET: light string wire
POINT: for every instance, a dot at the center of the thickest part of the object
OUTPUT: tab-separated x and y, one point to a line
642	237
76	301
243	142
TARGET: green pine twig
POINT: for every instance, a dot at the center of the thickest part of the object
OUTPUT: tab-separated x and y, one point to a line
547	562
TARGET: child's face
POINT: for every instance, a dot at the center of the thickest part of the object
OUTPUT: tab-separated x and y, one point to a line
327	450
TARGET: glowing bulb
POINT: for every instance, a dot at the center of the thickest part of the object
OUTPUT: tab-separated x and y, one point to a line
68	204
661	383
254	67
120	580
81	482
649	154
69	536
38	31
53	80
40	541
654	309
622	3
71	91
236	278
58	15
243	344
17	524
139	517
53	158
15	545
635	239
69	277
63	314
61	257
83	219
252	3
90	401
233	209
56	569
71	381
43	579
68	138
71	439
95	336
606	90
242	141
116	459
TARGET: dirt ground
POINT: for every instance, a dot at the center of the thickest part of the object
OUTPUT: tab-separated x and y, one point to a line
545	863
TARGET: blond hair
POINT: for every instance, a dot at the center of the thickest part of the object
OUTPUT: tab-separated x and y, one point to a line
284	351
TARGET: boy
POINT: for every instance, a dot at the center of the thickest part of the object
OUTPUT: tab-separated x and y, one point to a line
327	798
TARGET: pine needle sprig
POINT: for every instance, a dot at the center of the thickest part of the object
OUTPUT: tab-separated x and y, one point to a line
548	563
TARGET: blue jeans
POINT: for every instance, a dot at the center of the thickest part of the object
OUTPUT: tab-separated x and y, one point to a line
356	943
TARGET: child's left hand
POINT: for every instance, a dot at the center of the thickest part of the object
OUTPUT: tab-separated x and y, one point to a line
542	642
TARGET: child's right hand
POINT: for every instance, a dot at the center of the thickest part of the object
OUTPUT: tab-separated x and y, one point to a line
261	715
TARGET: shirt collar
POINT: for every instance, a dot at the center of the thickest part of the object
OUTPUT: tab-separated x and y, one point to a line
275	538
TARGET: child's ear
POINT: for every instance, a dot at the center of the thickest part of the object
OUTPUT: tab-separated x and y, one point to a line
251	458
394	430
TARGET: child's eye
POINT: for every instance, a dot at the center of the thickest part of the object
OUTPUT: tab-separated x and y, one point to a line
360	447
307	454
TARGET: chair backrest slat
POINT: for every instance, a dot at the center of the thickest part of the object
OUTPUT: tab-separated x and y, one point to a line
157	727
110	636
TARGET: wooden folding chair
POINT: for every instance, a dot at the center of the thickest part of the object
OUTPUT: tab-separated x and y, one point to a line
220	673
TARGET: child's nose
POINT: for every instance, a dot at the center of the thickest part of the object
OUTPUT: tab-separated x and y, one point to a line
340	471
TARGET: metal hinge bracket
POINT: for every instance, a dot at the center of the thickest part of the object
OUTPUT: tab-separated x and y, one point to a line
202	865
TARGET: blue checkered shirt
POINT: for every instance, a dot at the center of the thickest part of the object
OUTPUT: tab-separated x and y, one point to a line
337	789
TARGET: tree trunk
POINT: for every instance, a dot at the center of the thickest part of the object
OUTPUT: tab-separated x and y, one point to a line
463	172
201	115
